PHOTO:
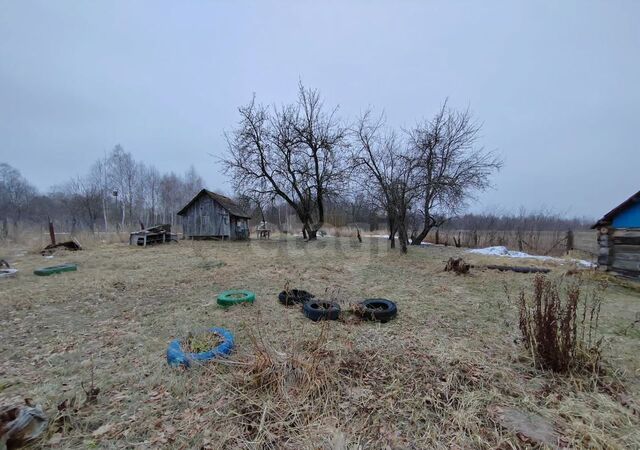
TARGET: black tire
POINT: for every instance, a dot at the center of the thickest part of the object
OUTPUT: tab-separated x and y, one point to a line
294	296
321	310
378	309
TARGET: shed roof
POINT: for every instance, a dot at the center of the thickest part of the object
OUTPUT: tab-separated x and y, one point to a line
608	217
228	204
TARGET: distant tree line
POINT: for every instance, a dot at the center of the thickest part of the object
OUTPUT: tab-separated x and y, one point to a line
543	220
83	202
116	193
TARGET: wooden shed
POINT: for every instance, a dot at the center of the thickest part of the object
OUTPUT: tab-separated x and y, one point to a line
213	216
619	238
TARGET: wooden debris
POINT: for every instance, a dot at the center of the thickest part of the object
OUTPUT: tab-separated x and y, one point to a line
72	245
158	234
457	265
519	269
20	425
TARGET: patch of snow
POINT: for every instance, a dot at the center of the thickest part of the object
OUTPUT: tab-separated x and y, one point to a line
504	251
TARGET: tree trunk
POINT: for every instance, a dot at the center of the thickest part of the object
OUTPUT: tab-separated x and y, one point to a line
392	237
309	233
104	213
4	233
417	240
402	237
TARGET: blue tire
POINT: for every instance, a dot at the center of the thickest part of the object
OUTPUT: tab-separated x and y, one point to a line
176	356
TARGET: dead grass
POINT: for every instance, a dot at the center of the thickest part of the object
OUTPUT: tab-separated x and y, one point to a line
431	378
201	342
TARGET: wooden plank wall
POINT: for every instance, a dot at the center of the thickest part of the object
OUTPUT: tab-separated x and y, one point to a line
205	218
586	241
625	251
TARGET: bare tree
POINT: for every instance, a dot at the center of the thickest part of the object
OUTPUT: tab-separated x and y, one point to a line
450	165
83	197
388	171
151	180
123	172
170	197
99	174
15	195
193	183
294	152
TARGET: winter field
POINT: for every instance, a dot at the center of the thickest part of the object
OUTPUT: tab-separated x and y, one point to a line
448	372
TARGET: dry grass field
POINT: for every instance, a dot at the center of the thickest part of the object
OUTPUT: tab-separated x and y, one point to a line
448	372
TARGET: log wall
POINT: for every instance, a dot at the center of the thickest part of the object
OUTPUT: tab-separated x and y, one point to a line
620	250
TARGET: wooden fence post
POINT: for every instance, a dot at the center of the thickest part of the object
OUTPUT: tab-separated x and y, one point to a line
52	233
569	239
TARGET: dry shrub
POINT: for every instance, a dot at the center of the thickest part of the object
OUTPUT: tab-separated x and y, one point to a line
300	369
560	326
340	231
284	391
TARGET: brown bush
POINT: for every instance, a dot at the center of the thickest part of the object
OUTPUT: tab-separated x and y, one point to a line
559	325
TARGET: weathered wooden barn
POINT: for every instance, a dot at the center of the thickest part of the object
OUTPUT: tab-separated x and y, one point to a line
213	216
619	238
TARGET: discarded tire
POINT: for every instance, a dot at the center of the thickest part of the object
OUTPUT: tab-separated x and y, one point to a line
6	273
379	309
293	296
230	298
176	356
45	271
321	310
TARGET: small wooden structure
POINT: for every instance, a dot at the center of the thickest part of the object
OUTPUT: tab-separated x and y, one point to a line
619	238
159	234
213	216
263	231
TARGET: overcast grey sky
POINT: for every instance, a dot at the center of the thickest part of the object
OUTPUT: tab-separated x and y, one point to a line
556	84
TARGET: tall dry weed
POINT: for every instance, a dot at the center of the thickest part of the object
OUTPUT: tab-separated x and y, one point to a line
559	325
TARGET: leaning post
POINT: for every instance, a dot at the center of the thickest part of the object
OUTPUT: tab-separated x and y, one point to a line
52	233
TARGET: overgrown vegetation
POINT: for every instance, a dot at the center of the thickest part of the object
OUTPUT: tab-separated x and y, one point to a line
559	325
201	342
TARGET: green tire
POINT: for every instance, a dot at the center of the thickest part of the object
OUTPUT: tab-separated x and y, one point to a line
230	298
44	271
